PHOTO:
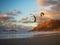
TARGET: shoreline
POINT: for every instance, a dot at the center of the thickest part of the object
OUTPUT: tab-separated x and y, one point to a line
27	35
39	40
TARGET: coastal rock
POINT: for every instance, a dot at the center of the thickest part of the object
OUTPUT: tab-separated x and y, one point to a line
50	25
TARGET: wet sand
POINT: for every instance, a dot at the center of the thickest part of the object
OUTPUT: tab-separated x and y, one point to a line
39	40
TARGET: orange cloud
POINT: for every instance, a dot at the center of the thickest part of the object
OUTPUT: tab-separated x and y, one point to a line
46	2
4	17
41	2
54	12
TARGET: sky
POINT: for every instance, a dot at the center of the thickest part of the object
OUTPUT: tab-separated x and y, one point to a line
54	11
25	6
22	9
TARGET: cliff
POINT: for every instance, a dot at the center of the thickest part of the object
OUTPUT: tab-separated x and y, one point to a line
50	25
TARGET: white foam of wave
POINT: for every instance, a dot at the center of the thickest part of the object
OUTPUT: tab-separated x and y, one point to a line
27	35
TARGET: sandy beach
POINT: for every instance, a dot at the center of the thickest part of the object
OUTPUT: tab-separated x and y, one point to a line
53	39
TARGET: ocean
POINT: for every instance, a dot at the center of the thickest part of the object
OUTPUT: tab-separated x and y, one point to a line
20	34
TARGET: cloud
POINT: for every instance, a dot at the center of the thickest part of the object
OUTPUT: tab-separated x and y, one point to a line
28	22
33	10
25	18
4	17
9	15
13	12
47	2
54	12
41	2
